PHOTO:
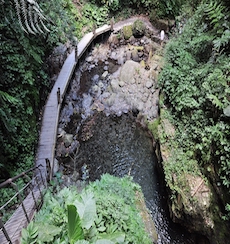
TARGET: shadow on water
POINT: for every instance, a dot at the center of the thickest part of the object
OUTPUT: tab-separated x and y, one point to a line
120	146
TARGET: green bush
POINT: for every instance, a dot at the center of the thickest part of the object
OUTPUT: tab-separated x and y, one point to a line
195	81
24	81
104	211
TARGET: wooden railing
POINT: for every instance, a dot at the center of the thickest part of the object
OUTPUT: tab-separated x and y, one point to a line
29	199
10	231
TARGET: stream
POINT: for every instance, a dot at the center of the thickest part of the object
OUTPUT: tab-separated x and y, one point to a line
101	139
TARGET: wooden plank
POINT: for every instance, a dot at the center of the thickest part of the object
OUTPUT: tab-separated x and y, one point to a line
18	220
47	138
103	29
84	43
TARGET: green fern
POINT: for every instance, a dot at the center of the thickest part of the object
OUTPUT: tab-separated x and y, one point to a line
223	41
216	15
214	11
30	16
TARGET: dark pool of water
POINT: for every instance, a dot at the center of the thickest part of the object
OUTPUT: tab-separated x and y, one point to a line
120	146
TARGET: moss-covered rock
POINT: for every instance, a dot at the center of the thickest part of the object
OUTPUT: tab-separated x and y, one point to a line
127	31
192	200
138	28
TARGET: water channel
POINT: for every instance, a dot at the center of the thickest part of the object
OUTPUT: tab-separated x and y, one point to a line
106	142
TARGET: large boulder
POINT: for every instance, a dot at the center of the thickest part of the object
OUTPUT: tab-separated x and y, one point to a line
128	70
138	28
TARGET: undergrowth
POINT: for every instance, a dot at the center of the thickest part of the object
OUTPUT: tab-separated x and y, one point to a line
195	82
107	214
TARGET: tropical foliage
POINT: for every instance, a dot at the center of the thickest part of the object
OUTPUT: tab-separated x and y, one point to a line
161	9
24	81
195	82
104	212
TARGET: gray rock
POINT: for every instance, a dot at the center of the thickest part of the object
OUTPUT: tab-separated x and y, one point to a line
68	138
55	166
152	90
89	59
105	95
140	106
149	84
121	60
104	74
145	97
95	78
74	97
129	70
95	89
92	66
114	85
100	84
134	55
113	55
121	83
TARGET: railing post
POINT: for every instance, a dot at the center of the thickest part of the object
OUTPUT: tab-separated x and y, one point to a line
31	189
112	24
94	29
5	232
59	95
43	182
39	189
76	54
48	170
20	199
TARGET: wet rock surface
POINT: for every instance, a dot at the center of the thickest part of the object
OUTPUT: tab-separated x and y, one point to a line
102	126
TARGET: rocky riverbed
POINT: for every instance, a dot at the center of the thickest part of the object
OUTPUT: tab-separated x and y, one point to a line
114	92
119	76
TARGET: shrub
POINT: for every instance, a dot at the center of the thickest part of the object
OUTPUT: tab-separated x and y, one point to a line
104	210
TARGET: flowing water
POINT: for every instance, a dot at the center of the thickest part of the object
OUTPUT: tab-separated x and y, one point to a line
118	145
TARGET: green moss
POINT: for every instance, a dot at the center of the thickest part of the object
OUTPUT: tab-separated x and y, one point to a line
127	31
153	127
138	28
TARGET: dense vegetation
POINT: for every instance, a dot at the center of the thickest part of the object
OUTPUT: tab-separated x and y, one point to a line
92	216
24	80
195	79
25	43
195	82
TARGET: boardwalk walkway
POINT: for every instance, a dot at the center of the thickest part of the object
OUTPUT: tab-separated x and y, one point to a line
48	132
47	138
18	220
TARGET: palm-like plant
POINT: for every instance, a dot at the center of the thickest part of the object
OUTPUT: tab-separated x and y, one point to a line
30	16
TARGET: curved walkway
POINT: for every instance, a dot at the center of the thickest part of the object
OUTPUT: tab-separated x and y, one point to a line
47	138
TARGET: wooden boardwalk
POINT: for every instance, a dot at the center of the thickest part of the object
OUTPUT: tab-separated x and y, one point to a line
19	220
48	135
86	41
47	140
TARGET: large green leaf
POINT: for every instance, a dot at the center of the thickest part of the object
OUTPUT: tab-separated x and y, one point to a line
46	232
227	111
74	225
86	208
81	242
